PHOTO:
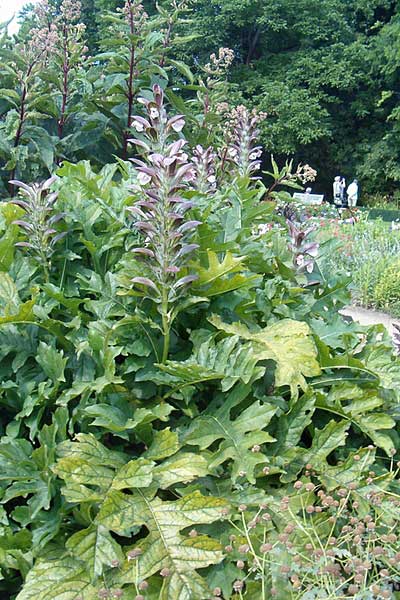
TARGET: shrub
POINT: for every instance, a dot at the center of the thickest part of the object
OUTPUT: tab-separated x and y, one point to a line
175	372
386	293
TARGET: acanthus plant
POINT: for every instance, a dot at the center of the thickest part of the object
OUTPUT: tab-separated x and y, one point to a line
205	165
38	222
242	151
160	215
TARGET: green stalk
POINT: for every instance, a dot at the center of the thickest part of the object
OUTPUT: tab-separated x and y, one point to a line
166	327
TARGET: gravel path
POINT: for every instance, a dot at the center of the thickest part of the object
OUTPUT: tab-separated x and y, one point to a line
370	317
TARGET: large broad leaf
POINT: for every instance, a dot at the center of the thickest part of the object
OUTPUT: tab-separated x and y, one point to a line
95	547
350	471
9	298
25	471
380	359
222	277
239	439
325	442
119	419
360	406
65	579
124	496
288	343
228	360
166	548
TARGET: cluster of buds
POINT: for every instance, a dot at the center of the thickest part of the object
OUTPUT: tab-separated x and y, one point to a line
46	37
161	214
204	168
135	14
40	218
71	10
241	150
218	65
44	40
304	252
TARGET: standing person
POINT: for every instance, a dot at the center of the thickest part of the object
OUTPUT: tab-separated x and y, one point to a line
352	193
342	191
336	190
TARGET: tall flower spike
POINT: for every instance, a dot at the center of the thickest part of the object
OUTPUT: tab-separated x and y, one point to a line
160	216
204	167
39	221
241	150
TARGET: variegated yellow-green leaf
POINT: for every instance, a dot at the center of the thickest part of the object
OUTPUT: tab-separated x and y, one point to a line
165	548
64	579
96	548
288	343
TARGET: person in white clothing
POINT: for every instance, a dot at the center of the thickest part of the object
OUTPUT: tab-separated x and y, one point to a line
336	190
352	193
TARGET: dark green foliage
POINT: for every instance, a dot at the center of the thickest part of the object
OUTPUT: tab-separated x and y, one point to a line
325	71
174	362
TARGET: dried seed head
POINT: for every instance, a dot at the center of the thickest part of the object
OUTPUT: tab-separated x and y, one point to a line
265	548
242	507
375	589
298	485
143	585
238	585
165	572
228	548
285	569
240	564
135	553
384	573
244	548
310	487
